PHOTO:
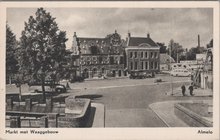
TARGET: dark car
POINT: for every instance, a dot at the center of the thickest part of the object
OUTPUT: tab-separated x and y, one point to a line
140	75
49	87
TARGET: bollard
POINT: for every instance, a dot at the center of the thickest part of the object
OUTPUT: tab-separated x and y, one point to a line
15	122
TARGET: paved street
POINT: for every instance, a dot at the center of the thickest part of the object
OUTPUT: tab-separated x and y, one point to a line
127	101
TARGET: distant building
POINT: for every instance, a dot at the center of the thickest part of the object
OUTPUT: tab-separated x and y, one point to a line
142	54
200	58
203	77
165	62
99	56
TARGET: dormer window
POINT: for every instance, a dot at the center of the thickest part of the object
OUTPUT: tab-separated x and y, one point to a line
131	54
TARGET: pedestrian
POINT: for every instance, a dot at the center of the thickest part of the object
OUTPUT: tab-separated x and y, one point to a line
183	89
191	89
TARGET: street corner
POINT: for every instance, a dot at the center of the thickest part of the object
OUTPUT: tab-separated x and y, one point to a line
165	111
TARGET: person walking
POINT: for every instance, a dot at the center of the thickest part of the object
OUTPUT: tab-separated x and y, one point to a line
191	90
183	90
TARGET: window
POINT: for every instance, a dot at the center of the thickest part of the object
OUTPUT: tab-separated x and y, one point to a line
136	65
152	55
103	70
135	54
142	54
155	55
146	65
100	59
121	60
146	56
151	65
111	60
155	65
142	65
131	65
131	54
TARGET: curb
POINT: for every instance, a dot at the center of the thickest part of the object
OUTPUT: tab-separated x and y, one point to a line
159	116
99	117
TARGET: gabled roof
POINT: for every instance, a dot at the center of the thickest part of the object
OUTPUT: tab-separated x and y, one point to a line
165	58
136	41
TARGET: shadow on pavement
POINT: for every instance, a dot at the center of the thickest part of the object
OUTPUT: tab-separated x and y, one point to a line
90	96
91	117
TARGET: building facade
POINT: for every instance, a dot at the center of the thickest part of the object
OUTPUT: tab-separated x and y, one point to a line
99	57
166	61
142	55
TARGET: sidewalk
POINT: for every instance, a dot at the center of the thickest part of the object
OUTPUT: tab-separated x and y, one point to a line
99	116
165	111
197	92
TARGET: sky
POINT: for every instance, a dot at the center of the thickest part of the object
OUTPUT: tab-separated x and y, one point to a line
163	24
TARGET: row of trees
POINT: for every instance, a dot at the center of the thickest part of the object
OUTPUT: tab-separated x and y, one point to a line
179	53
39	54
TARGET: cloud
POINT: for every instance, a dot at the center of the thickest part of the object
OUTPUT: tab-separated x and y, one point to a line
73	20
181	24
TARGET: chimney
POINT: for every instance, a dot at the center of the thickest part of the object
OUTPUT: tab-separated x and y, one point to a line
198	41
129	34
115	31
148	35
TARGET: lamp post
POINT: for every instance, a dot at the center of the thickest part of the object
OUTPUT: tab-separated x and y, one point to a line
171	79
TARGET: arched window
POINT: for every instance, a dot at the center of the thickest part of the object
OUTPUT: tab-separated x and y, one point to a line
94	49
94	72
103	70
85	73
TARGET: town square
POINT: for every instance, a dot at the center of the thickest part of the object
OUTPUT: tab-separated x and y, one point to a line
94	67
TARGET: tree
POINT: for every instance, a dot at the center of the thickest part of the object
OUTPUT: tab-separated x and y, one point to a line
191	54
176	50
42	49
163	48
210	44
11	61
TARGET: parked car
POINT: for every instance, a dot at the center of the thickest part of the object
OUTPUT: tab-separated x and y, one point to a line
49	87
180	72
140	75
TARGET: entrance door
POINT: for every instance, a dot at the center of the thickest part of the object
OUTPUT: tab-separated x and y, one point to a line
119	73
85	73
113	73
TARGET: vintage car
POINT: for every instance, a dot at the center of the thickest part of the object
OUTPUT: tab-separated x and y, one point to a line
180	72
50	87
140	75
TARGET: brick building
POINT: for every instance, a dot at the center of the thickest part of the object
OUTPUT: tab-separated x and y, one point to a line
99	56
142	55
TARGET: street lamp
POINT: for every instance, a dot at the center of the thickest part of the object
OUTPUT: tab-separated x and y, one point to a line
171	79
